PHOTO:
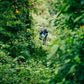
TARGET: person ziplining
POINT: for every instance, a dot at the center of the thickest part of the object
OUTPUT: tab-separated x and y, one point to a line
43	34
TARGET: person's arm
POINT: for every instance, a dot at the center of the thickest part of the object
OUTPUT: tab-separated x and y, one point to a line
40	35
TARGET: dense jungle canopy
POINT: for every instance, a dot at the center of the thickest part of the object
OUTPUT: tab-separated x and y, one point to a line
23	57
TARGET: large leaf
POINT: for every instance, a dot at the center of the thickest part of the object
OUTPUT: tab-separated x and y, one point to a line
78	18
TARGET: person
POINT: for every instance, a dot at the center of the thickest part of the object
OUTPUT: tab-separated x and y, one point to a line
43	33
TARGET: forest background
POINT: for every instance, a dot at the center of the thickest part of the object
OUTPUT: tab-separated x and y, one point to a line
23	58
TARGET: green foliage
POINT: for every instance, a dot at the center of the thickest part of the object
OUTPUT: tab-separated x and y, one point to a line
68	56
23	58
13	27
73	12
17	47
25	73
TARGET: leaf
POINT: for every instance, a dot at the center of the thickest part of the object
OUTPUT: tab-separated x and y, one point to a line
68	60
67	7
72	69
67	17
77	59
78	18
58	14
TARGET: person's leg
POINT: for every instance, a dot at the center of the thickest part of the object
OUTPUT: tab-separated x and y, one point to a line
44	40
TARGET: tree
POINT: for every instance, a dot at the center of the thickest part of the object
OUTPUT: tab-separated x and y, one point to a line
15	21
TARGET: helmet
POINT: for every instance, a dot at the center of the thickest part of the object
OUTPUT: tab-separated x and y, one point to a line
41	27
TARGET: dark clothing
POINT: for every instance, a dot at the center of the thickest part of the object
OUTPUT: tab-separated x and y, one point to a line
45	32
40	34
